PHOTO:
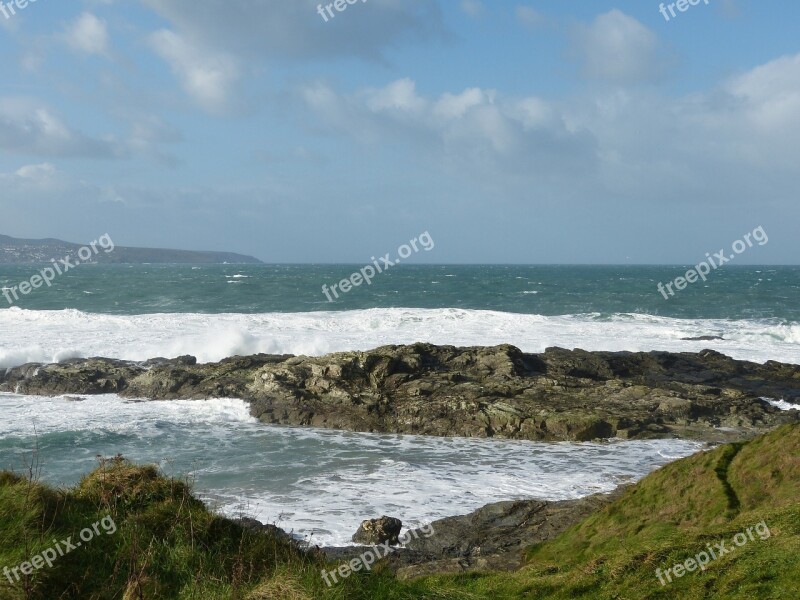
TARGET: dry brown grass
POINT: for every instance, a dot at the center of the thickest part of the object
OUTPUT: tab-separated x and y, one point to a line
279	587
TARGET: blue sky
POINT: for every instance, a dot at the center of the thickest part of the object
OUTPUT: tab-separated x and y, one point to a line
514	132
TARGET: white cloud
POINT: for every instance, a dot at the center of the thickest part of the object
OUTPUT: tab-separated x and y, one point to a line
455	106
209	48
398	96
293	29
771	93
29	127
535	113
758	114
30	182
476	129
633	142
618	49
206	76
88	34
36	172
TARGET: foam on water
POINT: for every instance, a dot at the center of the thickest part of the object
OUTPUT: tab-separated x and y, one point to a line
50	336
318	483
782	404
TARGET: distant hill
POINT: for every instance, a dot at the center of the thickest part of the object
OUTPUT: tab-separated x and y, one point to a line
19	251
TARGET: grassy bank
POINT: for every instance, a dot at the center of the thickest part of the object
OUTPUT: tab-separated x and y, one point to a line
669	517
165	544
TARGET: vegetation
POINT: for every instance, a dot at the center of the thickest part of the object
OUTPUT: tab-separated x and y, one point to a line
169	545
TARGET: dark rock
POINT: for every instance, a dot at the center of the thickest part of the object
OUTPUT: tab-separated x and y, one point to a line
493	537
703	338
163	362
344	553
74	376
379	531
259	527
473	392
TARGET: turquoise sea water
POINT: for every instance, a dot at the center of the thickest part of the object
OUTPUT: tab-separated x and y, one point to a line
731	292
319	484
323	483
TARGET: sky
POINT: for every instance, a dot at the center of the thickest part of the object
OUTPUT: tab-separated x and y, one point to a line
512	131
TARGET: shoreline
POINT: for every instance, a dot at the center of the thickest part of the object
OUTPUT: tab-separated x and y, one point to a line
494	392
489	392
575	396
318	484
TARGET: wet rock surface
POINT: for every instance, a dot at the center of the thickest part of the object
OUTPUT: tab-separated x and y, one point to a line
378	531
447	391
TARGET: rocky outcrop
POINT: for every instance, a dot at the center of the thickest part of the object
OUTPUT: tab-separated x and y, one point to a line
503	392
73	376
379	531
155	379
491	538
476	392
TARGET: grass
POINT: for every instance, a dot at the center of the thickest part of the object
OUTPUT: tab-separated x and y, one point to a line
168	545
670	516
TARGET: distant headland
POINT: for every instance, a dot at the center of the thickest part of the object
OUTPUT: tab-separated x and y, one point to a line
21	251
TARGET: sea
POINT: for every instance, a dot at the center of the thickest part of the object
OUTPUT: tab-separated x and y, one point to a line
320	484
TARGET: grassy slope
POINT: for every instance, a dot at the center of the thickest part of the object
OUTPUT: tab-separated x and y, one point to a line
168	545
670	516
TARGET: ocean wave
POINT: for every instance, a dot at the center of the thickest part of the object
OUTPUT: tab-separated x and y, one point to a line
50	336
782	404
318	483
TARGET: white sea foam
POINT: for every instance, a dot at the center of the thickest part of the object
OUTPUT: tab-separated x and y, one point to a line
782	404
49	336
318	483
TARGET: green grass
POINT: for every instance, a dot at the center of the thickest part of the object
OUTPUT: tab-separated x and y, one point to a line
670	516
168	545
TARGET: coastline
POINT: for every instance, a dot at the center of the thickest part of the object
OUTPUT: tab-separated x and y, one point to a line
443	391
501	392
479	392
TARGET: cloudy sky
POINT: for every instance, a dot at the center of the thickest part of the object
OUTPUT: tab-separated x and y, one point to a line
514	132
